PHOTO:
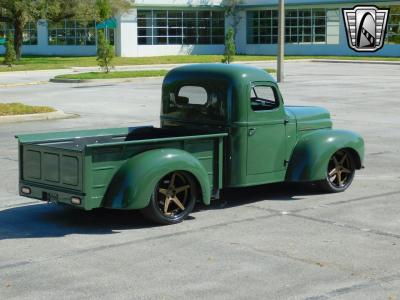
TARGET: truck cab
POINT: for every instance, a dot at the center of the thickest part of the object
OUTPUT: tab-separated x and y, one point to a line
221	126
246	103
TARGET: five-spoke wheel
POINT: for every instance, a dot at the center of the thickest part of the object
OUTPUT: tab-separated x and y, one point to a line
173	199
340	172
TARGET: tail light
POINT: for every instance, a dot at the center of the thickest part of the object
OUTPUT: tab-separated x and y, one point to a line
76	200
26	190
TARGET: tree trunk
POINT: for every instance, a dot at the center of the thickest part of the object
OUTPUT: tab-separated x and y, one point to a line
18	37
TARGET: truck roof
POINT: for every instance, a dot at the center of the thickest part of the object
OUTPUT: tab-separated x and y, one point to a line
235	73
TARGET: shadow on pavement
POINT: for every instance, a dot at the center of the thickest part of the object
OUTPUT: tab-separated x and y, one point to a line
49	220
270	192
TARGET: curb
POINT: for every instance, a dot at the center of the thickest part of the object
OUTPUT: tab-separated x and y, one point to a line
56	115
372	62
104	81
113	80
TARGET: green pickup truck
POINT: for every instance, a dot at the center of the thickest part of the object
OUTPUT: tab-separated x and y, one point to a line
222	126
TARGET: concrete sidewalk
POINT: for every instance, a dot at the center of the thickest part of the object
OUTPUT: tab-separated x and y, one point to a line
21	78
353	61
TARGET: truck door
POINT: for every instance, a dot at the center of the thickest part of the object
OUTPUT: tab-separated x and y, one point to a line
266	136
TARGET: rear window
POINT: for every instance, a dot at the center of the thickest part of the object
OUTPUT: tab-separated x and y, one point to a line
196	103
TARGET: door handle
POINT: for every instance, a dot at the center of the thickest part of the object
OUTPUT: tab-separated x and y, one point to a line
252	131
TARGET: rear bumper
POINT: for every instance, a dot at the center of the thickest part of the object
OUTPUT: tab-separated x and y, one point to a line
27	189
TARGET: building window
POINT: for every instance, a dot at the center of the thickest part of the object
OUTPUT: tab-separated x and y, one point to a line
177	27
29	34
393	29
302	26
72	32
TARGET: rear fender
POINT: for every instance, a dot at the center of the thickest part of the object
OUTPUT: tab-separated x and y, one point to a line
311	155
134	183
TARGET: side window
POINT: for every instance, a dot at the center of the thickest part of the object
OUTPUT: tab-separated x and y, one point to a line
263	98
191	94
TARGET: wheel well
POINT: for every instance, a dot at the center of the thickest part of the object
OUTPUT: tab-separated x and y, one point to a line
355	156
199	192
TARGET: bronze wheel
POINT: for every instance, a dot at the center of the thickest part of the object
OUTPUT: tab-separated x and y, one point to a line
173	199
340	172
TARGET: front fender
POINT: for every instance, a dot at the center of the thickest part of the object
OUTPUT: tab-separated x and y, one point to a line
134	183
312	152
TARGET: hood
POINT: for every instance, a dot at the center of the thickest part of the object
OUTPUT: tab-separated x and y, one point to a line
310	117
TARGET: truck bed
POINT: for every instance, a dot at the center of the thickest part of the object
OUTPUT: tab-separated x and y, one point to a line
58	166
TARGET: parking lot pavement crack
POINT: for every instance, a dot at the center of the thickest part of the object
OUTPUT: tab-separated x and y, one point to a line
364	198
91	250
348	226
267	209
16	264
359	286
287	255
346	201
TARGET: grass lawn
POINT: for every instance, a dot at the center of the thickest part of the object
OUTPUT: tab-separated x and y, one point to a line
122	74
9	109
52	62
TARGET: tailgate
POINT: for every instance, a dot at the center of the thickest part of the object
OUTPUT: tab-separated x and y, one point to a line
51	166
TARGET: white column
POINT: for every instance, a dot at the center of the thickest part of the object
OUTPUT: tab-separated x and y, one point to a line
126	35
117	36
241	33
43	34
332	26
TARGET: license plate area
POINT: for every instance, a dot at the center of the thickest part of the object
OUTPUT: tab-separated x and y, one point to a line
50	197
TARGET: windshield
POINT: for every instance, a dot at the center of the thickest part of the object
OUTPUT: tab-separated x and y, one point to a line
196	103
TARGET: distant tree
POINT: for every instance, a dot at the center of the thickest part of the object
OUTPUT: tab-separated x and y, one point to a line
104	9
20	12
105	52
56	10
120	6
9	56
230	48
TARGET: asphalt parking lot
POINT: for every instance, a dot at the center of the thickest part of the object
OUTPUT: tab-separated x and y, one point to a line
268	242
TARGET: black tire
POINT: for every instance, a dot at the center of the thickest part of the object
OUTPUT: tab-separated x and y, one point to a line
339	173
173	199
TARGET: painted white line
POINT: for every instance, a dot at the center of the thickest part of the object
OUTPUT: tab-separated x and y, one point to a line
8	85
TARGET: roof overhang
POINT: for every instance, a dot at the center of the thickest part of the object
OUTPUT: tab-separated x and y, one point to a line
262	4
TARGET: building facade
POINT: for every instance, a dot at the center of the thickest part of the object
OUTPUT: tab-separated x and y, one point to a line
171	27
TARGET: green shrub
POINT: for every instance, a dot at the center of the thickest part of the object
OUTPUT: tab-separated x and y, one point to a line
230	48
10	56
105	53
